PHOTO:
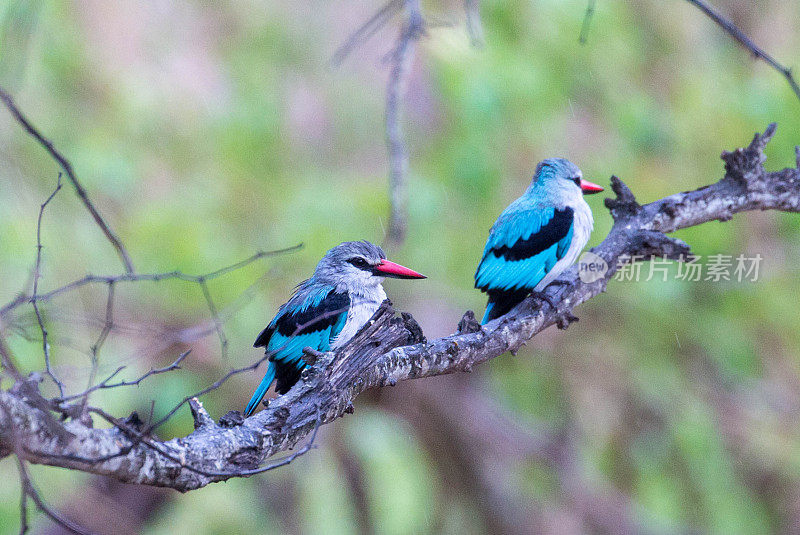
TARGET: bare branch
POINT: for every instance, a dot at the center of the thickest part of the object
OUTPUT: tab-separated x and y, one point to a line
106	383
137	277
732	30
472	8
23	505
67	167
212	308
367	30
400	59
587	21
386	351
36	274
28	490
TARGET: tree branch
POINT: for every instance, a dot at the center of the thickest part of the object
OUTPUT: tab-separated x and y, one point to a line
37	268
401	59
587	22
67	167
472	9
732	30
29	491
388	350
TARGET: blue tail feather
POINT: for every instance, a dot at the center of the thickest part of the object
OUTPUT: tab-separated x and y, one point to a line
261	390
487	316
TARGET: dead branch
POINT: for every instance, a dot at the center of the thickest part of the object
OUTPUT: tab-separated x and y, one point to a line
36	275
401	60
367	30
67	167
587	22
388	350
731	29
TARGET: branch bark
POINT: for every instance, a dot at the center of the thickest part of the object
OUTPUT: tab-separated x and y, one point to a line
388	350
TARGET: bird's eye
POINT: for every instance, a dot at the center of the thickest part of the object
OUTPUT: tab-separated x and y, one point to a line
577	180
358	262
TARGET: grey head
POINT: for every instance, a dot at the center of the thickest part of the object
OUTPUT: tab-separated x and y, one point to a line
356	266
560	182
557	176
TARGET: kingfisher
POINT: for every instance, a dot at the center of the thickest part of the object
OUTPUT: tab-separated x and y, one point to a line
537	237
325	311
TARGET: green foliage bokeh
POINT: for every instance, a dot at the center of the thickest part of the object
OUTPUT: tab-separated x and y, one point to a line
205	132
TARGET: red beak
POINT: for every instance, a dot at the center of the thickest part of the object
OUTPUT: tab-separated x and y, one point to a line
588	187
396	271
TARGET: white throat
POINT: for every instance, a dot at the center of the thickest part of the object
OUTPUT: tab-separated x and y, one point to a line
363	304
581	230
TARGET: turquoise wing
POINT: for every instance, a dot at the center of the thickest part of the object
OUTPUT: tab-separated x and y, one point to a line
523	247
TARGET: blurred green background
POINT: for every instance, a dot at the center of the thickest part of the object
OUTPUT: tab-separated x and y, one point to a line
205	131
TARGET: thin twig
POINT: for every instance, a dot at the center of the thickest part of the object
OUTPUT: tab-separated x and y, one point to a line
401	58
30	490
746	42
366	30
7	361
587	22
109	321
212	308
136	277
67	167
108	324
472	8
95	349
23	507
36	275
106	383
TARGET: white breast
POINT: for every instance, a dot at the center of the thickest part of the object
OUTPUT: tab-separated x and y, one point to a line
362	307
581	230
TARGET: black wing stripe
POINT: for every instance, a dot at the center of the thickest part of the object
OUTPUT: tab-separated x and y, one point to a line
553	232
263	338
317	318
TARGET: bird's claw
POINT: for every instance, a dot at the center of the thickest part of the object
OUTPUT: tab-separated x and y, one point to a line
541	296
311	355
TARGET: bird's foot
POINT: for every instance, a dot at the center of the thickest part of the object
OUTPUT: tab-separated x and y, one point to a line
231	419
311	355
541	296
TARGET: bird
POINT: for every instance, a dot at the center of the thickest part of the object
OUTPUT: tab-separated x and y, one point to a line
325	311
536	237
